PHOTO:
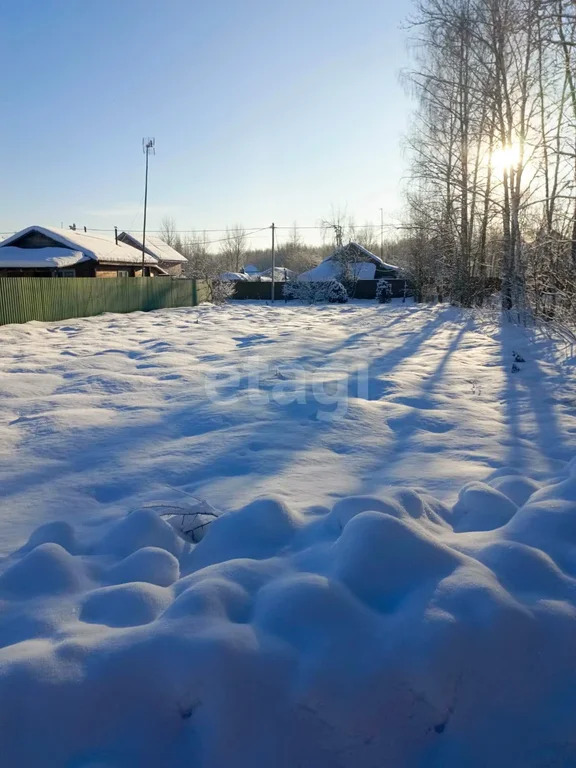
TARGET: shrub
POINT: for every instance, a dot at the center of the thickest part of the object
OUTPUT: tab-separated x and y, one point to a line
221	291
336	293
347	259
314	292
383	291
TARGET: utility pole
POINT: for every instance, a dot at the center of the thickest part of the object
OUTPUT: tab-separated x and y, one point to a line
273	228
382	233
148	146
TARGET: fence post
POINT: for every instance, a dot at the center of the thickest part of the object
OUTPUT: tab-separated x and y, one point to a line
194	293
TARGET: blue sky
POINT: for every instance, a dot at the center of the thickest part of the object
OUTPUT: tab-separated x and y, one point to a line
262	111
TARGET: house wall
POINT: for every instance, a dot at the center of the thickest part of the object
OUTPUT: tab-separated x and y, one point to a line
84	269
175	270
108	271
5	272
389	274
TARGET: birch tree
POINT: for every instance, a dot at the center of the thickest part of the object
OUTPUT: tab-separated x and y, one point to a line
493	149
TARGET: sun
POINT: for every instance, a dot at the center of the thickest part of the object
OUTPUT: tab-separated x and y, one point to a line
505	158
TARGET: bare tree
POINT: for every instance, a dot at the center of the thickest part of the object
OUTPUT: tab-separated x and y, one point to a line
294	243
169	233
233	247
168	230
367	237
207	267
293	254
202	264
493	163
340	225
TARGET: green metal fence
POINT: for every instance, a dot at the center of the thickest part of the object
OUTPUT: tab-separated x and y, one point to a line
42	298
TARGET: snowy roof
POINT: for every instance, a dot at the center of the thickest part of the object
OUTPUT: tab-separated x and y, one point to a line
368	254
47	258
155	246
257	277
329	269
234	276
93	245
279	273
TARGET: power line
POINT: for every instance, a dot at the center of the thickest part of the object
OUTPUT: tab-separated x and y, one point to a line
250	232
177	231
232	237
249	229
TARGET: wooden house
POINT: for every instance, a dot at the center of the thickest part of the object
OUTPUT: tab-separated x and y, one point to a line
52	252
364	264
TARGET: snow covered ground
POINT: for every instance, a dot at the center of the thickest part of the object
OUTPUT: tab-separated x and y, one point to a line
404	593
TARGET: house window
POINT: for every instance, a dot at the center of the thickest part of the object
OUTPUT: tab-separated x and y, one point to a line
66	273
122	273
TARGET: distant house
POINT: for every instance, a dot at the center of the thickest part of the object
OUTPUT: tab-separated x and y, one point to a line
365	265
281	274
52	252
235	277
168	258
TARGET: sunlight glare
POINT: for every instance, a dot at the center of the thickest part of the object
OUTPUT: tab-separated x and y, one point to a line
505	158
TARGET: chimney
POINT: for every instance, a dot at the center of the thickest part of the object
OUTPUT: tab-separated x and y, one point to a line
116	234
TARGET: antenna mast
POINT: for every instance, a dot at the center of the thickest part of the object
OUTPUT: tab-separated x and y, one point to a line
148	147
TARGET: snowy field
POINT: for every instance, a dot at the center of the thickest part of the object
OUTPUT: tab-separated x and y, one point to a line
393	582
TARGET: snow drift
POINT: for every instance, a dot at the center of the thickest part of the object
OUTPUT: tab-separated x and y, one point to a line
381	632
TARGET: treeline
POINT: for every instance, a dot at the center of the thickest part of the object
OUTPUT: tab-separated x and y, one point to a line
492	190
230	251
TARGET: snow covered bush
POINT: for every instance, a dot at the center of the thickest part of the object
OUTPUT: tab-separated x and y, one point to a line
316	292
302	291
336	293
383	291
221	291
